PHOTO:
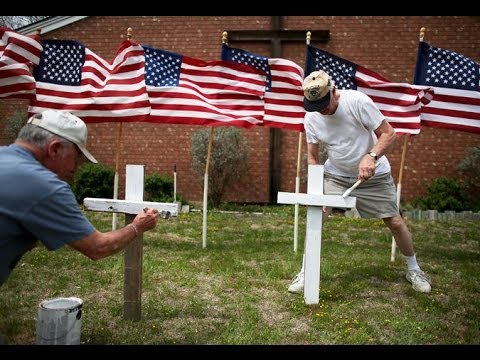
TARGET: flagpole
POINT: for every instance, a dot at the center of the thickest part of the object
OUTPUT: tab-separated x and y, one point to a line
205	190
205	179
297	178
399	190
297	190
117	157
402	164
174	182
117	166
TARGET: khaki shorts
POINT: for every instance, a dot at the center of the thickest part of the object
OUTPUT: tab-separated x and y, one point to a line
376	197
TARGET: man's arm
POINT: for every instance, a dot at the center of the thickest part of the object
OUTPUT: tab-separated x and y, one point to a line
313	154
98	245
386	138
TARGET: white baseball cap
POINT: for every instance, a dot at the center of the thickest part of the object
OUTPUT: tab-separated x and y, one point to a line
316	89
65	125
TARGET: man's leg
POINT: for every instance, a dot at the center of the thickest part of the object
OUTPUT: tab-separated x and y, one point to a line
419	280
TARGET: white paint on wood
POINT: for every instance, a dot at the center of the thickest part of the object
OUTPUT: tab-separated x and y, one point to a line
336	201
315	200
295	223
127	206
133	203
313	241
134	184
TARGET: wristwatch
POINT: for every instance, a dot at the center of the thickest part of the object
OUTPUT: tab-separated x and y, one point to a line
373	154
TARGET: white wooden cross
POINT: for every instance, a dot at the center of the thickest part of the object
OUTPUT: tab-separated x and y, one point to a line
314	200
131	206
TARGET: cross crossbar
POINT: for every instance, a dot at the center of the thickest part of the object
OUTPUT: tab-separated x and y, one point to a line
316	200
127	206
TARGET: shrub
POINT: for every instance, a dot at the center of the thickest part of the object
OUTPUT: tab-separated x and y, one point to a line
93	180
158	188
469	167
14	124
228	159
444	193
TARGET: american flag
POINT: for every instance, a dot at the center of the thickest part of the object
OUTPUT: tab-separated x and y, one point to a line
284	94
17	54
73	78
456	82
185	90
400	103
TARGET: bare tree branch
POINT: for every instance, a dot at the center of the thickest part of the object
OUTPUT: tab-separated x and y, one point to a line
15	22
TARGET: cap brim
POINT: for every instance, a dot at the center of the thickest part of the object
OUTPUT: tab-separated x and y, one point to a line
87	154
317	105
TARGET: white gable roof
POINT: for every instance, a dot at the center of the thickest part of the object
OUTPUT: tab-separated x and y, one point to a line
50	24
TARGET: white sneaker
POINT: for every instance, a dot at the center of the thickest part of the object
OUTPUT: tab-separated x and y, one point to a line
297	284
420	281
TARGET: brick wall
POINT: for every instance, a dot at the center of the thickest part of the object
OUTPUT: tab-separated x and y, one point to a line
384	44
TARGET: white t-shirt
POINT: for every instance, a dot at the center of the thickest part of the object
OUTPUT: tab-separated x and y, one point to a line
348	134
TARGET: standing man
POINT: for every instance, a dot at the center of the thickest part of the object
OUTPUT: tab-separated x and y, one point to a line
357	136
37	203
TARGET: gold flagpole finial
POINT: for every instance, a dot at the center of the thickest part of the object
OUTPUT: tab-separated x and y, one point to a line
309	37
224	37
129	33
422	33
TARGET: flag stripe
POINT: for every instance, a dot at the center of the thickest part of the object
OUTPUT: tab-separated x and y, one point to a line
455	80
25	86
18	47
284	95
220	75
284	103
448	111
17	54
400	103
72	77
185	90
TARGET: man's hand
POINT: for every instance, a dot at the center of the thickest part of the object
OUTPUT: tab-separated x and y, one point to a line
366	168
146	220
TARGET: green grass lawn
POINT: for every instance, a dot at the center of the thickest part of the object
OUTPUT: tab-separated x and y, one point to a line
234	291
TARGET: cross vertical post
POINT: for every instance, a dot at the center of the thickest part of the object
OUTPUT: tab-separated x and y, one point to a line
315	200
132	293
133	255
313	240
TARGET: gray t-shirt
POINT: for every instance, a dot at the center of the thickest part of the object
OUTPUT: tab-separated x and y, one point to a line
34	205
348	134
